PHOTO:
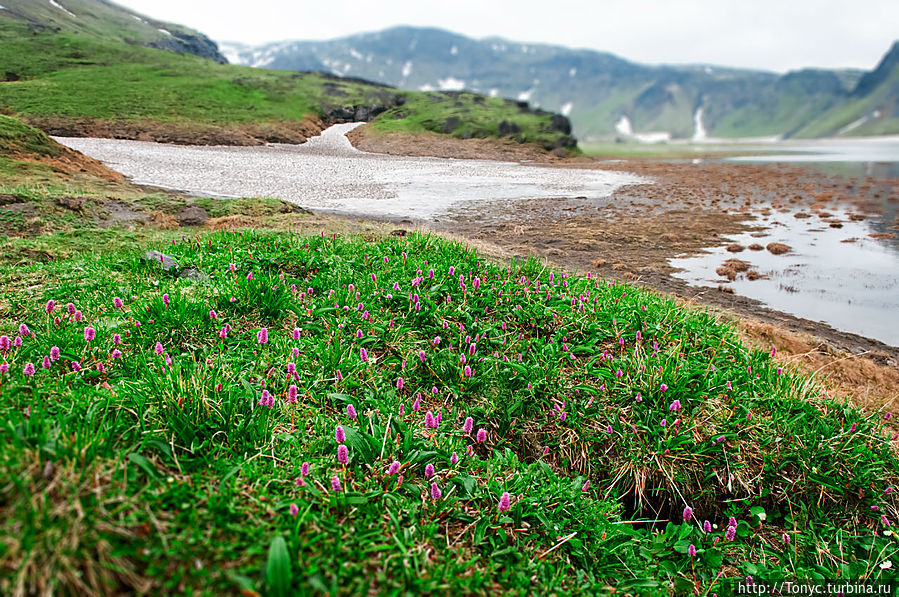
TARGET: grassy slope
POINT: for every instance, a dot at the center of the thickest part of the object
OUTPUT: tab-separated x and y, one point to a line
74	75
163	473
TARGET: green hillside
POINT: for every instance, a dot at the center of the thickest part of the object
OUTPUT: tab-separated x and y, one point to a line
79	80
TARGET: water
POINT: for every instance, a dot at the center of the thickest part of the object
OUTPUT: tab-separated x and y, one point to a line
327	173
876	157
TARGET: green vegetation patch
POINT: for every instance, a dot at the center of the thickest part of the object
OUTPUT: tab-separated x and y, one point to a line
335	415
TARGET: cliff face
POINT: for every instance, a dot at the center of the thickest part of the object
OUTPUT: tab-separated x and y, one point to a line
109	21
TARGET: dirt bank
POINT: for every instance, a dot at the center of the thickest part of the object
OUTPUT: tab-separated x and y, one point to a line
180	132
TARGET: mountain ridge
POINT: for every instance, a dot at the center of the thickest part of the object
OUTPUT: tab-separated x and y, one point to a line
596	89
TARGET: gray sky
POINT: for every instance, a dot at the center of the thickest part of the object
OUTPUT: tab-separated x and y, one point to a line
769	34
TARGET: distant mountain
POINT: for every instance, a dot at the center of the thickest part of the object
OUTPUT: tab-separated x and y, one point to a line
106	20
604	95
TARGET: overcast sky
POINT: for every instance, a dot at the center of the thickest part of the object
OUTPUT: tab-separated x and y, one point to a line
769	34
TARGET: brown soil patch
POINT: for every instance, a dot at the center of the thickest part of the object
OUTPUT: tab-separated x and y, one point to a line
882	235
756	247
735	248
430	144
182	133
778	248
68	161
866	382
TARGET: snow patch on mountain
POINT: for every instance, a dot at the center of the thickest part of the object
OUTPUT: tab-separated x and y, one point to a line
63	8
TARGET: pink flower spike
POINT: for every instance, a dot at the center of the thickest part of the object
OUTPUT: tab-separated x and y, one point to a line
294	509
504	502
454	458
304	469
335	483
688	514
691	550
394	468
363	354
159	349
292	394
262	336
28	370
482	435
429	470
399	383
586	486
54	354
48	308
351	411
343	454
468	425
436	494
339	434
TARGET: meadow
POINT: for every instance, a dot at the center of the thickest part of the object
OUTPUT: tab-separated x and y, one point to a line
346	414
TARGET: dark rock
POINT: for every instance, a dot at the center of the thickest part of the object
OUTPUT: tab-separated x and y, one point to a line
168	264
560	123
565	141
561	153
11	76
192	215
193	274
72	203
6	199
451	124
507	128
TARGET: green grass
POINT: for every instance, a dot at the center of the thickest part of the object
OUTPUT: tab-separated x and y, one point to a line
475	116
159	470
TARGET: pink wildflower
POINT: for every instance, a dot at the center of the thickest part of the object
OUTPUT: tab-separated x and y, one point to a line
294	509
335	483
688	514
436	494
482	435
363	354
394	468
691	550
468	425
454	458
586	486
48	308
429	470
262	336
54	354
304	469
29	369
292	394
89	334
343	454
339	434
399	383
351	411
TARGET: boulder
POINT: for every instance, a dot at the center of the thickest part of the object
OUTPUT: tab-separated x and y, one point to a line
507	128
560	123
168	264
192	215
